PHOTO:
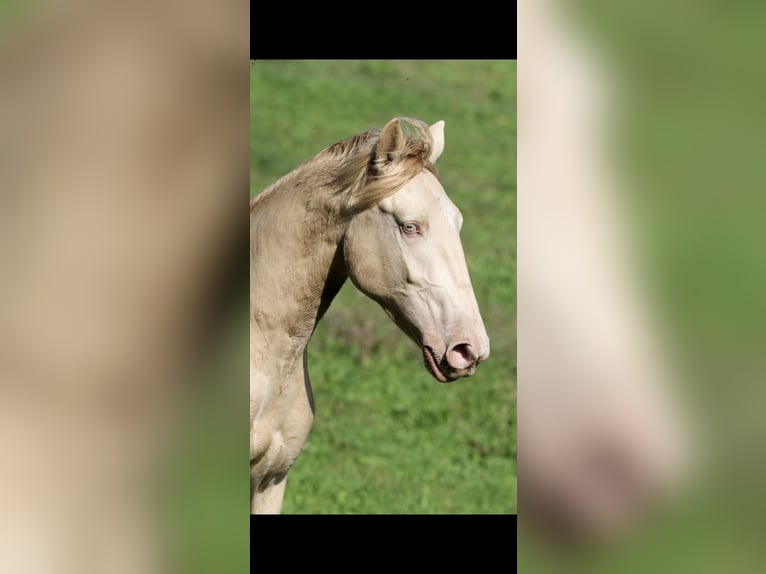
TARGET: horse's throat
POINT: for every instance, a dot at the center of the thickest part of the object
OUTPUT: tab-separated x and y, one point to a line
335	279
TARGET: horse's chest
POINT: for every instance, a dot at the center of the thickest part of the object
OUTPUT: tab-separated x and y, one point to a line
278	436
276	451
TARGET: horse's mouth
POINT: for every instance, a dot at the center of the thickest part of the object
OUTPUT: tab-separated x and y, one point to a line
432	366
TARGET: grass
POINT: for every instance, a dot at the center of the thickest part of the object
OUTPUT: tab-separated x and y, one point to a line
387	438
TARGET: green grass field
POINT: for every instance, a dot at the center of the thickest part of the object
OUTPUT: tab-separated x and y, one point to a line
387	437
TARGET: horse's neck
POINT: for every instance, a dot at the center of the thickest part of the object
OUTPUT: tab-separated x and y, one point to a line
297	268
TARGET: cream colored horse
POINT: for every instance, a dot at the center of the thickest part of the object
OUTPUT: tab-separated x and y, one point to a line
370	208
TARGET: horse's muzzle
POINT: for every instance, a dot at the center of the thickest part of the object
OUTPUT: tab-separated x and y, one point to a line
460	360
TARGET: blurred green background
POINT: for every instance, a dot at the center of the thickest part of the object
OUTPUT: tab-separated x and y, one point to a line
388	438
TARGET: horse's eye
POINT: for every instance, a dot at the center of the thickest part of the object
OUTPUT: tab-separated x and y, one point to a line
410	227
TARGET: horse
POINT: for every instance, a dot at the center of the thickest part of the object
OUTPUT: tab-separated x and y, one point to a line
602	436
370	208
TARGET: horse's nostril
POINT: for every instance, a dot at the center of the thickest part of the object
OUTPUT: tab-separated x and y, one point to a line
461	356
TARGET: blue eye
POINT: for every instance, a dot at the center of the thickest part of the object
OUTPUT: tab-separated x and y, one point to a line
410	227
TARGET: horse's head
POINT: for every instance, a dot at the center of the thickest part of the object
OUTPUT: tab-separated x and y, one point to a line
405	253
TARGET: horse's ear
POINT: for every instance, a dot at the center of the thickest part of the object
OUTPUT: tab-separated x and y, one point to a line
390	140
437	134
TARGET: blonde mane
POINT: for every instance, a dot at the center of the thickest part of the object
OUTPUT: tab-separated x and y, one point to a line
353	175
